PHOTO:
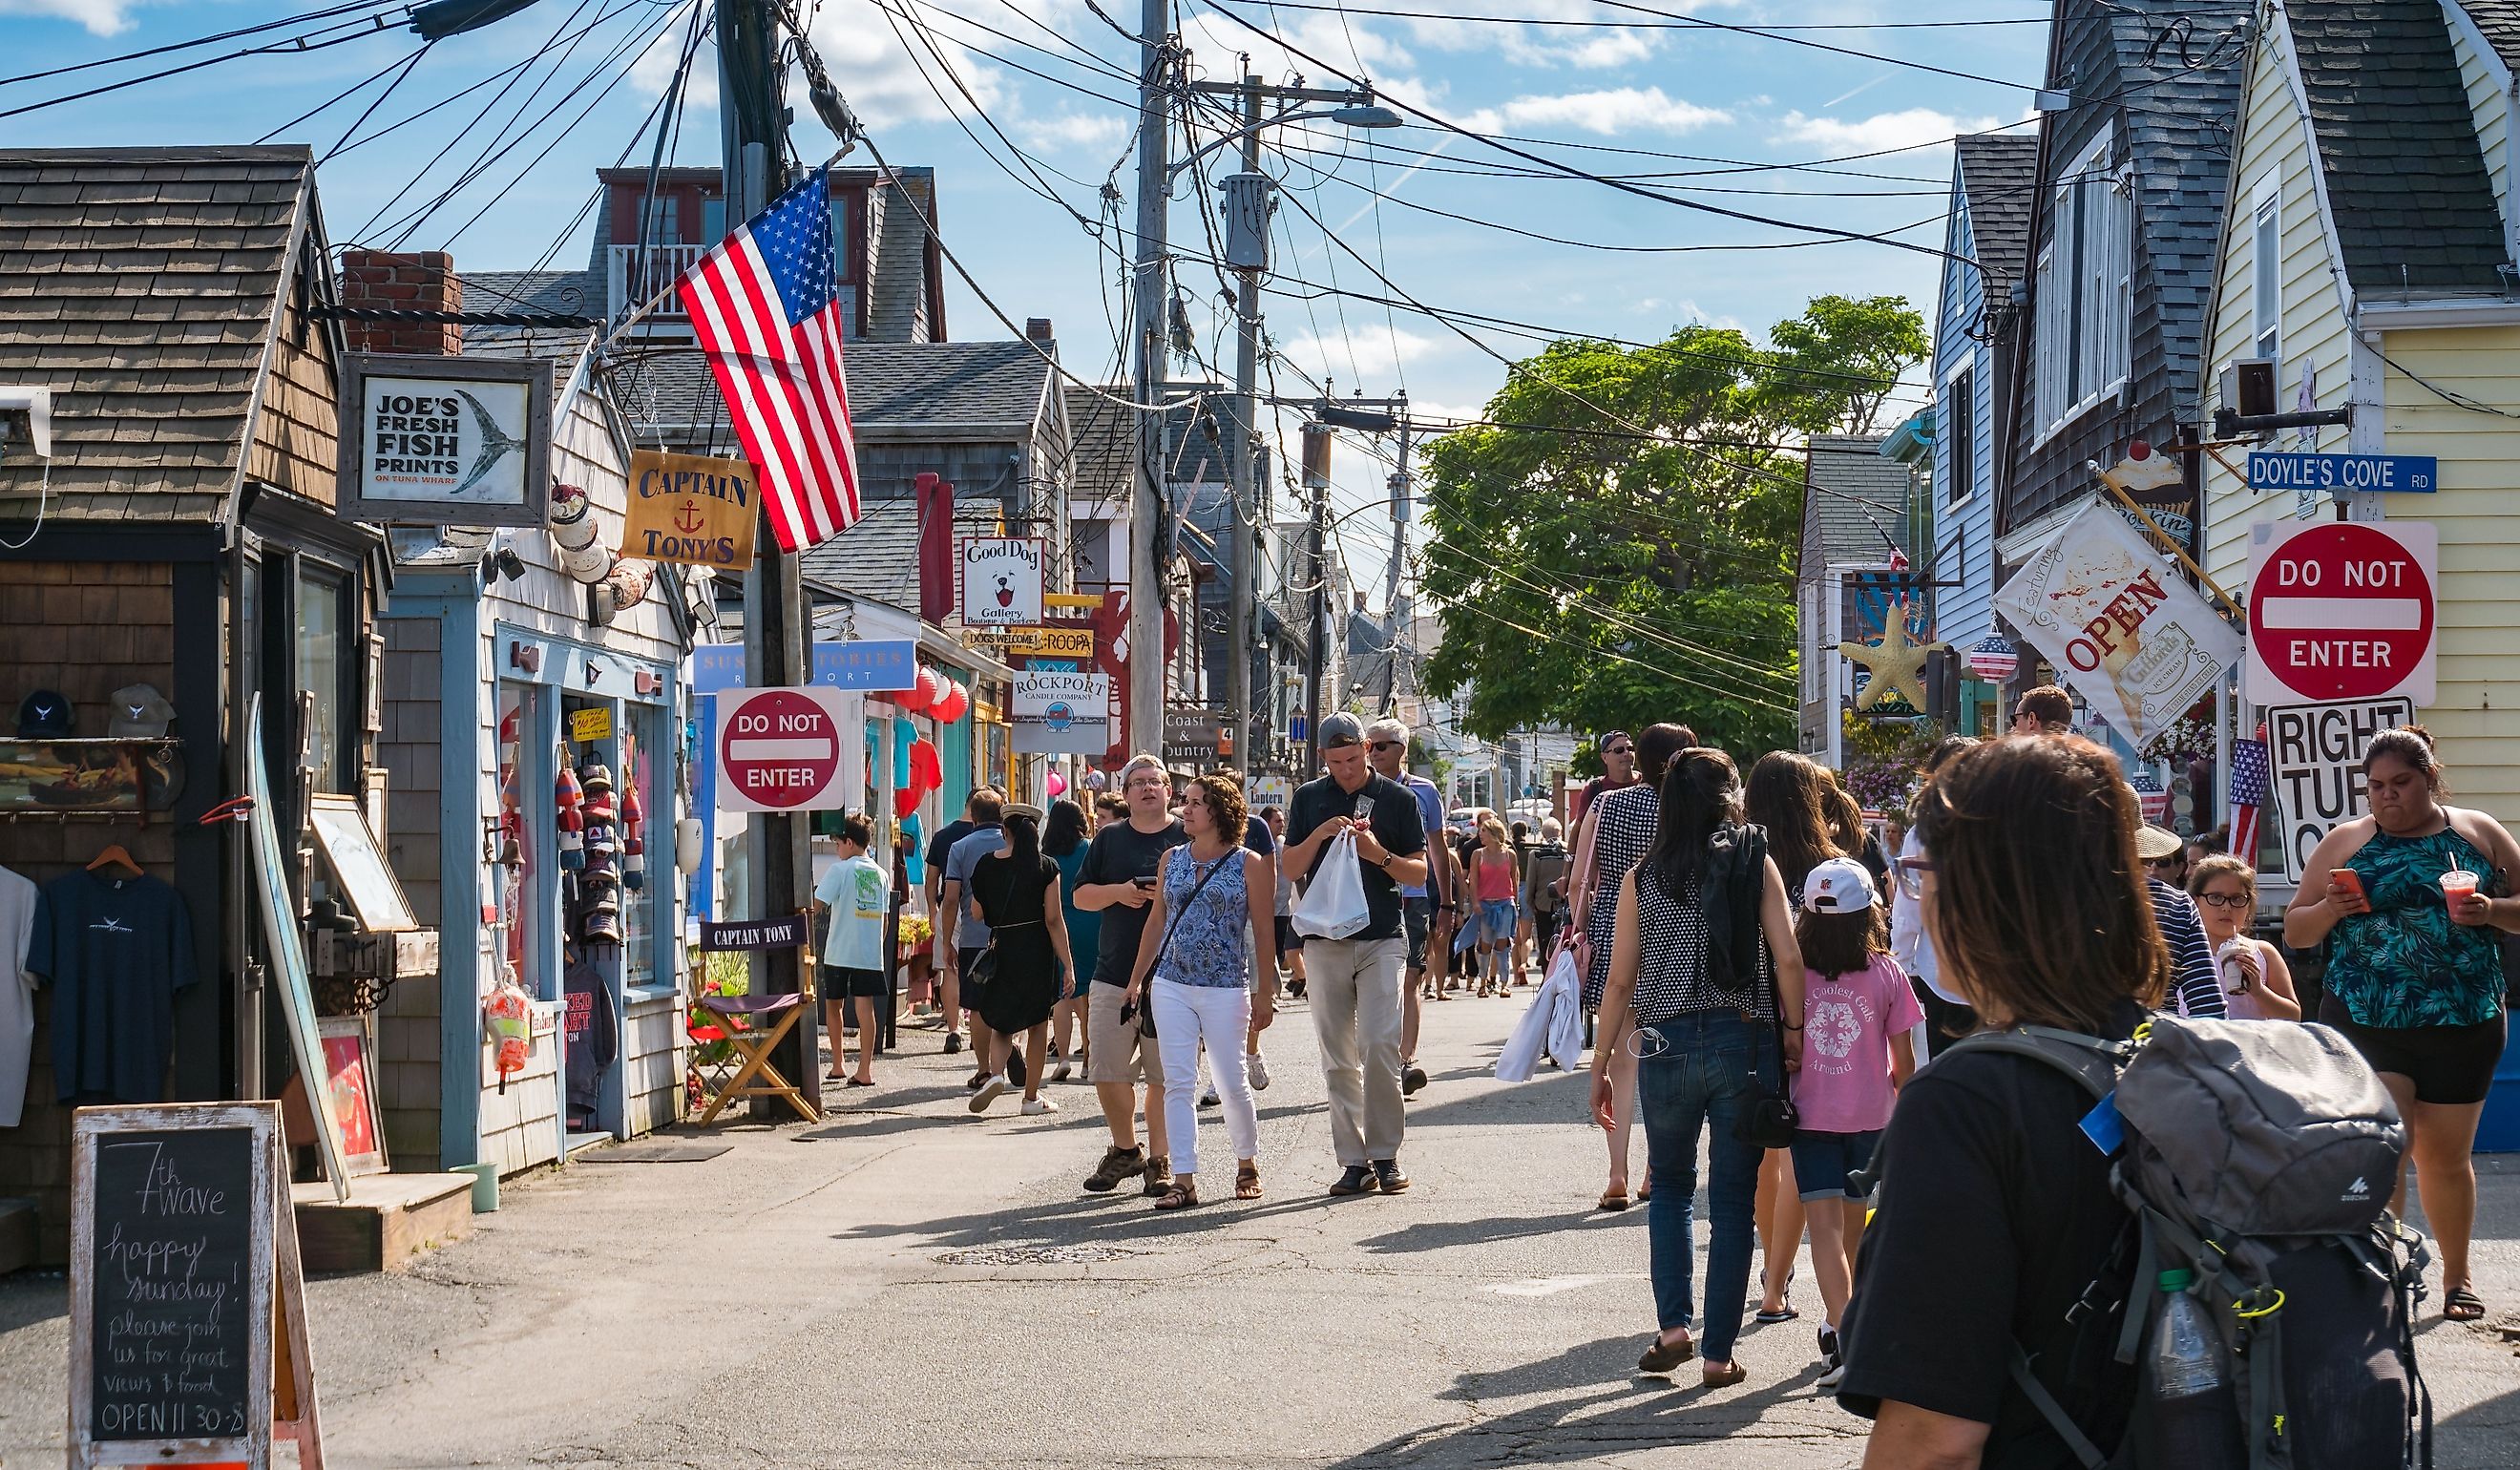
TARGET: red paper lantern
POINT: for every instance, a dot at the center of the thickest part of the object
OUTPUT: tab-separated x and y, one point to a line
954	703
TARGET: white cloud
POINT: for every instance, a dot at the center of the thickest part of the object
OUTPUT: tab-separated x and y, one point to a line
100	17
1370	348
1608	112
1906	128
1089	130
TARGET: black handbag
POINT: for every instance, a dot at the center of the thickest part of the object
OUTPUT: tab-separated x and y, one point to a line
1772	1119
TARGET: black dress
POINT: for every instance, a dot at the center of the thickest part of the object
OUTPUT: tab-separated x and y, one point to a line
1025	987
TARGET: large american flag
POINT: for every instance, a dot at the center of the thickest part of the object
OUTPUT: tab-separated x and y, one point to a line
765	304
2252	788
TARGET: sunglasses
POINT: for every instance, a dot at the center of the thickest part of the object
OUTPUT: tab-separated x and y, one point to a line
2173	860
1388	745
1908	876
1620	750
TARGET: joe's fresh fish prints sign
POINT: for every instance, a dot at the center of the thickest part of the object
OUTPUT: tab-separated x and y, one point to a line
445	441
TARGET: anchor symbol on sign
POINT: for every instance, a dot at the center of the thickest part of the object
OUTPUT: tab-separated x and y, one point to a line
689	518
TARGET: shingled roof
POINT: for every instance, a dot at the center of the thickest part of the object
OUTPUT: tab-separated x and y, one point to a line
2498	20
1999	173
2412	205
877	557
1853	498
145	285
896	389
1103	437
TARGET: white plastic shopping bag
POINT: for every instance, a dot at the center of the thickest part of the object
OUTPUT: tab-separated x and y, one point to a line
1334	907
1542	1031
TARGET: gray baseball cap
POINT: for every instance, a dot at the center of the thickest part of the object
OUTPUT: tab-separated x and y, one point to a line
1341	728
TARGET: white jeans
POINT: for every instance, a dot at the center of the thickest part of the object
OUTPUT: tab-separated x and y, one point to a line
1220	1015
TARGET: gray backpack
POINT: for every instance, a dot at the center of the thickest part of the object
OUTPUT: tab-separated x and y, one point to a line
2260	1157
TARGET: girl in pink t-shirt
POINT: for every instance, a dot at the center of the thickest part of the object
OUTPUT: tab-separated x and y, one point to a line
1858	1011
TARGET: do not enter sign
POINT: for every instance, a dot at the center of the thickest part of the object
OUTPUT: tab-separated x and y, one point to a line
2341	610
781	749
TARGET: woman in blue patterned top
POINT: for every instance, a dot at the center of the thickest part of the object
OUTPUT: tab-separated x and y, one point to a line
1214	915
2409	899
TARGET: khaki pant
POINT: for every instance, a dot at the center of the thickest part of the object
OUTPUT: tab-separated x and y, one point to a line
1354	985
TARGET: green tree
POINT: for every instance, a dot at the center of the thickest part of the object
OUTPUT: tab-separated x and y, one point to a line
1618	550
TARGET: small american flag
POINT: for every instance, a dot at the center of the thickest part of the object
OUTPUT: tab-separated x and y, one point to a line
2252	788
765	305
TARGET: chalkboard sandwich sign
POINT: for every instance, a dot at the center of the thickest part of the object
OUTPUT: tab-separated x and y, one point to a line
186	1316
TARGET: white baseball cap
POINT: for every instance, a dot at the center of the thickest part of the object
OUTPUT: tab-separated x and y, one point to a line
1840	885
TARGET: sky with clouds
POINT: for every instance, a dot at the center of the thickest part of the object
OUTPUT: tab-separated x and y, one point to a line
1025	107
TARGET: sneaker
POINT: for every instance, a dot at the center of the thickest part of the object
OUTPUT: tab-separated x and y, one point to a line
1412	1078
1209	1099
1832	1361
1159	1176
1117	1164
1355	1179
1034	1108
1060	1073
1387	1175
990	1091
953	1043
1256	1067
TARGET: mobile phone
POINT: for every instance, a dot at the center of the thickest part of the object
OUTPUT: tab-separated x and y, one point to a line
1144	882
2345	881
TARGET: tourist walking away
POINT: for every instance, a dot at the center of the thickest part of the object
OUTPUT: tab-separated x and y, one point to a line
1356	980
851	898
1208	934
1994	1213
2411	897
2196	990
1290	944
940	853
1948	1017
1017	891
1118	882
1428	911
2256	983
1707	1012
961	917
1795	800
1063	840
1860	1022
1544	890
1493	883
1621	826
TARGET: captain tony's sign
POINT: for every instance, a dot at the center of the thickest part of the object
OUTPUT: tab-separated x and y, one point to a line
687	509
449	441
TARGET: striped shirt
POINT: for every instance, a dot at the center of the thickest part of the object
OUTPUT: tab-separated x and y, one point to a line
2199	993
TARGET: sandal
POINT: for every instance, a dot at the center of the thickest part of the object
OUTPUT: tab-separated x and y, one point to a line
1726	1376
1614	1200
1247	1181
2462	1303
1661	1356
1784	1313
1178	1197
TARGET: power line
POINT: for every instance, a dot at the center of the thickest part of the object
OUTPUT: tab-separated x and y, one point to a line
297	46
209	40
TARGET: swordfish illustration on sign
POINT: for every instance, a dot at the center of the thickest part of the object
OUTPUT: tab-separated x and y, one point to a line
496	445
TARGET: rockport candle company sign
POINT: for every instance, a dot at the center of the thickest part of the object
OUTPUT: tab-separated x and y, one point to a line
453	441
699	512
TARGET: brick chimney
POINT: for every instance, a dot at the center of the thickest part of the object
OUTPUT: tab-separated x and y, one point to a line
421	281
1038	329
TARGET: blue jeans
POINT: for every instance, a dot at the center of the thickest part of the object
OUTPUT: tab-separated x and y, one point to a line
1702	1077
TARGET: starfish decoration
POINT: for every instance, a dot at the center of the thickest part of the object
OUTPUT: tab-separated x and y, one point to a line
1896	662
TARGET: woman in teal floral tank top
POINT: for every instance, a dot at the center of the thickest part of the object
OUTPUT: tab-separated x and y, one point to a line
2410	899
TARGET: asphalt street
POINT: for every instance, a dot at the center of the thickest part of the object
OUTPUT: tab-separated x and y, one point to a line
906	1285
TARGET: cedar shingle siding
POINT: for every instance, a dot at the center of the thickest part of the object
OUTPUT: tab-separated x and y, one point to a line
144	286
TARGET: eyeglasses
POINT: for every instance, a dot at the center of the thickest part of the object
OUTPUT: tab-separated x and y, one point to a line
1150	783
1909	874
1387	745
2226	900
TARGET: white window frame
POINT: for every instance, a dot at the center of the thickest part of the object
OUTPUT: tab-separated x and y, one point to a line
1959	453
2265	270
2086	280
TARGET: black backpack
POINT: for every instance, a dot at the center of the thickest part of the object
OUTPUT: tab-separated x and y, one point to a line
2259	1156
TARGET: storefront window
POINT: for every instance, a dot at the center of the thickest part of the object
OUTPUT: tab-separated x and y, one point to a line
320	673
520	824
641	748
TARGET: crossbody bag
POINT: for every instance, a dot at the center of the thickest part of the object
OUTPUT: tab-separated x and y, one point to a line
1172	926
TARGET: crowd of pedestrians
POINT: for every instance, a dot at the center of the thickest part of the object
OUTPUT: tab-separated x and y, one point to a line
1770	987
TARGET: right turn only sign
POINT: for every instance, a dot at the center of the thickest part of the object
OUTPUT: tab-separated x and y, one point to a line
2341	610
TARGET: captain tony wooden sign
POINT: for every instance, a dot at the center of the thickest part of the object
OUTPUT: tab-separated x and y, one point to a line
696	510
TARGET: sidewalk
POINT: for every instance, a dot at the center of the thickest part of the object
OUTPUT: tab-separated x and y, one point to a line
905	1285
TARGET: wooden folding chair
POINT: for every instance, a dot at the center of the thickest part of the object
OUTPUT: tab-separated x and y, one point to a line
756	1044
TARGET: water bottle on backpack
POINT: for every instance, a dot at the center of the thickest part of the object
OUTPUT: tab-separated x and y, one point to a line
2195	1417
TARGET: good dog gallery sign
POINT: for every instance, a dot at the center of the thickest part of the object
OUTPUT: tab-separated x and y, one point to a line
694	511
1000	581
455	441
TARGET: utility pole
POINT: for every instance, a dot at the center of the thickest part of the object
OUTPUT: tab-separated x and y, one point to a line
753	120
1242	553
1317	489
1147	531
